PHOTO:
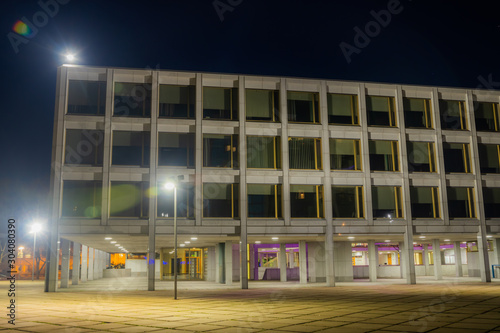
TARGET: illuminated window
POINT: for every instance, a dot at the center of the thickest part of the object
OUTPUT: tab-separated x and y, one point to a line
489	158
384	155
303	107
387	202
220	200
424	202
264	152
129	199
461	203
262	105
175	149
132	99
220	103
84	147
345	154
86	97
305	153
457	157
381	111
220	151
343	109
418	113
347	201
130	148
264	200
453	115
306	201
176	101
421	156
81	199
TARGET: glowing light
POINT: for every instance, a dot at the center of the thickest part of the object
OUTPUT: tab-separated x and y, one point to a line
351	238
107	238
169	186
258	242
387	241
36	227
194	238
187	242
182	245
113	242
22	28
21	248
70	57
275	238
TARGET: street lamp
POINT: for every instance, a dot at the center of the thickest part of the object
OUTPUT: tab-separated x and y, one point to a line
172	185
35	227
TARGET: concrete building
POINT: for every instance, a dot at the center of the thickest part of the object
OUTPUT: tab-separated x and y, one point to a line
282	178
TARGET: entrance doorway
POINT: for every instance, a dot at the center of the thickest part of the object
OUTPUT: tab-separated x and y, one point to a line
190	263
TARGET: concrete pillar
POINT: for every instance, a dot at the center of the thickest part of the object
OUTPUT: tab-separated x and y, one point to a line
302	262
425	257
484	260
458	259
312	253
291	258
497	250
402	260
91	264
97	264
343	262
372	260
436	254
409	257
85	253
219	263
65	263
76	263
228	262
211	264
151	254
102	265
282	262
243	180
329	256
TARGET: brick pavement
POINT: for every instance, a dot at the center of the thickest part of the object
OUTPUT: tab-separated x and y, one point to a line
449	306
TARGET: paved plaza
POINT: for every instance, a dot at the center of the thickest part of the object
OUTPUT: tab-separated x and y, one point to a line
453	305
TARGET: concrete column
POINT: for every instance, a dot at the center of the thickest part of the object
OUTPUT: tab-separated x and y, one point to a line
343	262
97	264
425	257
458	259
312	253
372	260
302	262
91	264
402	260
327	182
102	264
484	260
291	261
52	263
151	254
85	253
219	277
153	149
409	257
365	155
76	263
482	244
243	181
282	262
211	264
436	254
228	262
497	250
284	153
198	158
65	263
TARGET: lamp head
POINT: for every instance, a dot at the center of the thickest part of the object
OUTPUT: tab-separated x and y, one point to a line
169	186
36	227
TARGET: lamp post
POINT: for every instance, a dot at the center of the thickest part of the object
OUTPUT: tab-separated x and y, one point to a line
36	227
172	185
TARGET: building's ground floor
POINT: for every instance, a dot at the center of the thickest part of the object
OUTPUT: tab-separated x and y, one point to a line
281	258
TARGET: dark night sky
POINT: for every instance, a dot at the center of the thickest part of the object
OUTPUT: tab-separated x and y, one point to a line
441	43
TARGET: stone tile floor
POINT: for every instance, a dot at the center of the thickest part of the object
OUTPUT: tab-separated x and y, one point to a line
452	305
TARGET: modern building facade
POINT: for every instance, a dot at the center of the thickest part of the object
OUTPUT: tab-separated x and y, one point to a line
276	178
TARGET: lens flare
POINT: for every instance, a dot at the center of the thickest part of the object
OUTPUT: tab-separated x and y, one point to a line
21	28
